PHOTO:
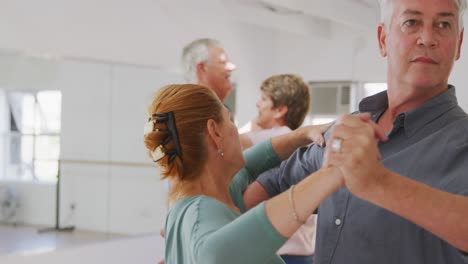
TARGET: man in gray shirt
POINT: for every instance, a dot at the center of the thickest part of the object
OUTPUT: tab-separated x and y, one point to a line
411	206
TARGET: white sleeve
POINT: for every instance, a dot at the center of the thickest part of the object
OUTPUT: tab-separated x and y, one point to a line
262	135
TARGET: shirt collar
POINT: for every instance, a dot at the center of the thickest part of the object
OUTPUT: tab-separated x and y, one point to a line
414	119
374	104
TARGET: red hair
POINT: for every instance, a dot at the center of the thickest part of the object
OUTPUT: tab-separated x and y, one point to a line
192	106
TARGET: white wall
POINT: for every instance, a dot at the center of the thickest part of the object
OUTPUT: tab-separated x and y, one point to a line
153	33
105	172
459	78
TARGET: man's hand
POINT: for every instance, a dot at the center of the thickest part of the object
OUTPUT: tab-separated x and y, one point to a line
353	149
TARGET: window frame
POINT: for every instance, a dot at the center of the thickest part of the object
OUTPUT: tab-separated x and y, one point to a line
28	174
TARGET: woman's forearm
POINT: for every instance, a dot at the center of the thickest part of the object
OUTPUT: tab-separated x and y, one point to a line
286	144
287	213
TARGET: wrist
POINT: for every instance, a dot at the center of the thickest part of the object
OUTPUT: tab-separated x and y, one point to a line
303	136
334	175
376	189
330	179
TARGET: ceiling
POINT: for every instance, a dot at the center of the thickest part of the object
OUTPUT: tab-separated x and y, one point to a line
144	32
338	11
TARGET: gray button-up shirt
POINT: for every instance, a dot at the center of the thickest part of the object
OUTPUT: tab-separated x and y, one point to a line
428	144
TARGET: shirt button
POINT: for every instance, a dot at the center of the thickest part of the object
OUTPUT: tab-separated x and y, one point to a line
337	221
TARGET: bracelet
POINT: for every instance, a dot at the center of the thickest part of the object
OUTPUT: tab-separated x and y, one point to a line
293	207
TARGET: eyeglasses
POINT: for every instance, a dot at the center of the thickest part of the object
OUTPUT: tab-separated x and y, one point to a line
227	65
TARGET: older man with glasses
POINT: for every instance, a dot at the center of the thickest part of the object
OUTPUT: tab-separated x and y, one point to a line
205	62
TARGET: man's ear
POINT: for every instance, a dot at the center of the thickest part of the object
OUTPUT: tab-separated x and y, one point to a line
200	70
281	111
460	42
214	134
382	37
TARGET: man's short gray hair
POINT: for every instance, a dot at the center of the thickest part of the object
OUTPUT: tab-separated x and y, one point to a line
195	52
386	10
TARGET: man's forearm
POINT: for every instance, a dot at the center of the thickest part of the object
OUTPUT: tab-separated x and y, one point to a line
443	214
255	194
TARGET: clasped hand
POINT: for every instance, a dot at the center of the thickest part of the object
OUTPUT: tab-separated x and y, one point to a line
353	149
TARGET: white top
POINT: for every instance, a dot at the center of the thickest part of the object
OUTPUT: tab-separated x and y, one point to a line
262	135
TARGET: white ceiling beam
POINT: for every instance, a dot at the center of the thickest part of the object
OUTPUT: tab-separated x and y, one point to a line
252	12
352	13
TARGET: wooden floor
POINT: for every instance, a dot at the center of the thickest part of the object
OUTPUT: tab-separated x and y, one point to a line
27	239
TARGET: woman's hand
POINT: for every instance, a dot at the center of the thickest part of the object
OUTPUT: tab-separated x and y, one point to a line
352	148
315	133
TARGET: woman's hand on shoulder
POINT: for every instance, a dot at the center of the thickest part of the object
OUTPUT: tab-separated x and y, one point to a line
315	133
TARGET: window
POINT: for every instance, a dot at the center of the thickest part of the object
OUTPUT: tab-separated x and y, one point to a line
373	88
329	100
31	141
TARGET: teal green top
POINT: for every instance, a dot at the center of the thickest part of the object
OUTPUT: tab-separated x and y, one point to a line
200	229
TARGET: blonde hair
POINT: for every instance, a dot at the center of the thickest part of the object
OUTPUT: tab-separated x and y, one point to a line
289	90
192	106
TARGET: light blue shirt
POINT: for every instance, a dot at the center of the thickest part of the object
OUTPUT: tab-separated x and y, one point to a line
200	229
